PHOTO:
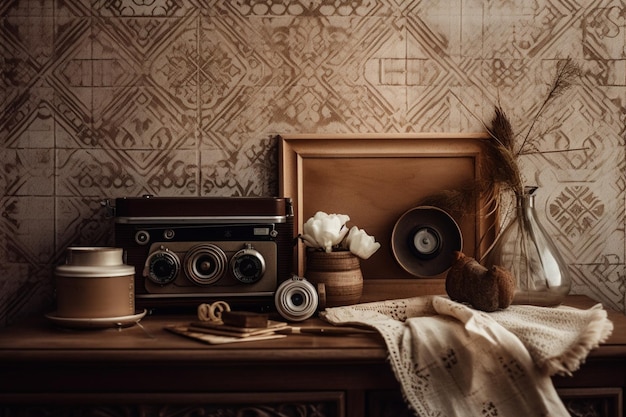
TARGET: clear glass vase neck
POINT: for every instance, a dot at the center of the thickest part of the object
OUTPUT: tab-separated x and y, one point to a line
527	197
526	206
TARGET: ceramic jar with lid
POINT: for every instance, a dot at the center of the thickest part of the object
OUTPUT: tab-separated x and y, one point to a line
94	282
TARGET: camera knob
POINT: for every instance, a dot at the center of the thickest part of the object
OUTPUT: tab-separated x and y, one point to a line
142	237
162	267
247	265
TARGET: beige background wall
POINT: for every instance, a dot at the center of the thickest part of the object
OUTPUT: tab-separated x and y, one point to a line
102	99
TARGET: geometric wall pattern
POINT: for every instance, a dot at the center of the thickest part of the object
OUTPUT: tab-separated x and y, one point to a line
103	99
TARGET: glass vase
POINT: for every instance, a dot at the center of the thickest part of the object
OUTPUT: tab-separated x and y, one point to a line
526	250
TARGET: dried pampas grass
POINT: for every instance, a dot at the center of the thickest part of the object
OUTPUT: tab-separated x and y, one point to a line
502	177
505	147
501	154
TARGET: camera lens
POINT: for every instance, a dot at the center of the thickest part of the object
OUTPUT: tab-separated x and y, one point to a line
248	265
162	267
205	264
296	299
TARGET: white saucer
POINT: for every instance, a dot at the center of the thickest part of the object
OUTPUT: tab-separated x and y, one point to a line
97	323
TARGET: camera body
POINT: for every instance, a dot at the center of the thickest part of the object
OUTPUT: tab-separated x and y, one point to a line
189	250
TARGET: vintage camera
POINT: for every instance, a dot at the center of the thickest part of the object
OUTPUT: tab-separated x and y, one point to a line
297	299
189	250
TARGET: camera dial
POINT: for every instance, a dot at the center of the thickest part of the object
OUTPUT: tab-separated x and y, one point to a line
162	266
247	265
205	264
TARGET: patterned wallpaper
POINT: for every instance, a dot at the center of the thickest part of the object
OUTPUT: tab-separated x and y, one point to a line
110	98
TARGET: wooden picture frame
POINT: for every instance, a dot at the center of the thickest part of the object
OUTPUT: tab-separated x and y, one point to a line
375	178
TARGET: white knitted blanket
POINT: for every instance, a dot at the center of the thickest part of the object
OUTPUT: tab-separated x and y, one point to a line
452	360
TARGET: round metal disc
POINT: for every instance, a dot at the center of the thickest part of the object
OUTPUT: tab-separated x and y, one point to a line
424	240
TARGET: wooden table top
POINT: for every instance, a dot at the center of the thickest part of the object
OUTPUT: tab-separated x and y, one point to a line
40	340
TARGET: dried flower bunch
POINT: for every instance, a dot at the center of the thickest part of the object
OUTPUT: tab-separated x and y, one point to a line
328	232
502	174
505	147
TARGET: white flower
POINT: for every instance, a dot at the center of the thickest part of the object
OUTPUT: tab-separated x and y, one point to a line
324	230
360	243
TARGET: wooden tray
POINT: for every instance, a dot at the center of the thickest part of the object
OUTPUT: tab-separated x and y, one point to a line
375	179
